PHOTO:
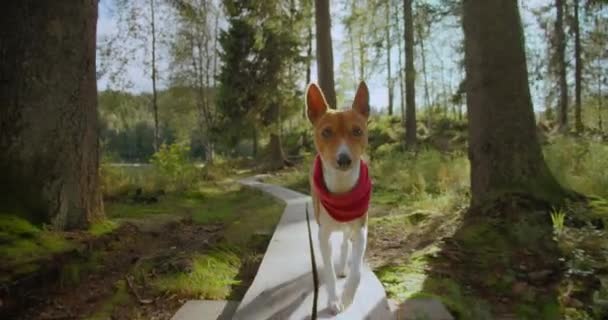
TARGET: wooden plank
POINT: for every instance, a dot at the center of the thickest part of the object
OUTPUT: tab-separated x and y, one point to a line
206	310
283	287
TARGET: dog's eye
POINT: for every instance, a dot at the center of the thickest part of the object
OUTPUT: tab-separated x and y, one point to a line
326	133
357	132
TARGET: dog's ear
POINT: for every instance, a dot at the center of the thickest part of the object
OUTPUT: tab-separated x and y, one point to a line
316	106
361	102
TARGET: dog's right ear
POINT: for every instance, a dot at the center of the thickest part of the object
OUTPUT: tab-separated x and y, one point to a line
316	106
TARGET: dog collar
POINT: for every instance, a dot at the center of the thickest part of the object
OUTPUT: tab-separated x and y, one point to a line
343	207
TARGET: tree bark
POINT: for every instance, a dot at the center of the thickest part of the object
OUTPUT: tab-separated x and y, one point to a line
400	61
389	80
503	147
424	73
153	76
325	57
49	152
308	62
216	36
560	55
275	148
578	121
255	142
410	75
600	98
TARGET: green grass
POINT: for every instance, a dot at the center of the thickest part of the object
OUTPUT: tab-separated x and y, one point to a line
212	276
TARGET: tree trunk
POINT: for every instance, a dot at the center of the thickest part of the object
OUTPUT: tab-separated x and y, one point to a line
275	151
362	48
560	46
49	151
577	69
255	142
308	64
424	73
503	147
153	76
353	59
389	80
410	75
276	155
216	36
325	57
400	61
599	99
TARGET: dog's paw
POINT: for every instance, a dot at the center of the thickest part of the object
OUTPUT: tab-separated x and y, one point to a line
335	306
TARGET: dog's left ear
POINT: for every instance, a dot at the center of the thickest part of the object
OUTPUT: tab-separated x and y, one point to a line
361	102
316	106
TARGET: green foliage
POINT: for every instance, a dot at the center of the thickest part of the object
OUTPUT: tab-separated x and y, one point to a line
127	124
557	218
579	164
257	79
173	164
383	130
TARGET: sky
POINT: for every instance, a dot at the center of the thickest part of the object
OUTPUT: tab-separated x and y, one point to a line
440	52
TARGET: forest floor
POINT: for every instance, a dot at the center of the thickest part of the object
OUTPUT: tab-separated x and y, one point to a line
153	254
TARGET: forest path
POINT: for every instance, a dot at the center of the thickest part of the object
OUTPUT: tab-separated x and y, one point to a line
283	287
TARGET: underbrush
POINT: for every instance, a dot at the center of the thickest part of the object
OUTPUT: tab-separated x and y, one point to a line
579	164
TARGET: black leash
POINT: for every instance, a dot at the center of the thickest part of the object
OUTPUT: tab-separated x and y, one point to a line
315	278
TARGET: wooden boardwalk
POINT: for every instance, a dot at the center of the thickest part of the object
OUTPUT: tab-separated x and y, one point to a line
283	286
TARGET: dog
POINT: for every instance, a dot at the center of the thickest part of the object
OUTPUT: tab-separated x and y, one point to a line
340	187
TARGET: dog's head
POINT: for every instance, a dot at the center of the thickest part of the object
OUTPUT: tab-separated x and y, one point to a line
340	136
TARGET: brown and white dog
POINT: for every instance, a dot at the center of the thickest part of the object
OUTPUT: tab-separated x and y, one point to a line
340	186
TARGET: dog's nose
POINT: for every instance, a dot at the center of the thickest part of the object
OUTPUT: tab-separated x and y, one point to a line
344	160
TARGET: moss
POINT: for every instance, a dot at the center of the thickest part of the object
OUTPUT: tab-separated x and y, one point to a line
73	271
542	308
21	242
461	304
403	281
103	227
211	277
13	226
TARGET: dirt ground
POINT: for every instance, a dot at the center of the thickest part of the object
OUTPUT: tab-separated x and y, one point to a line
111	284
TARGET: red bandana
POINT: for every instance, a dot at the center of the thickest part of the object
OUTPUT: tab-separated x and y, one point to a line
344	207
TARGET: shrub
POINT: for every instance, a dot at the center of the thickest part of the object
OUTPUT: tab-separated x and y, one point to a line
174	166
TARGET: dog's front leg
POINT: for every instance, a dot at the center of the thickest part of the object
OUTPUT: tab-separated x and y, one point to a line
352	282
343	262
328	270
